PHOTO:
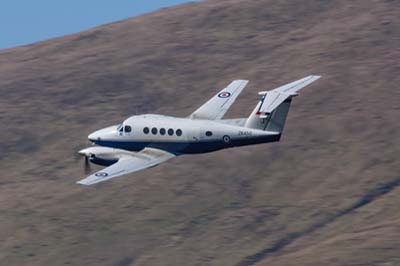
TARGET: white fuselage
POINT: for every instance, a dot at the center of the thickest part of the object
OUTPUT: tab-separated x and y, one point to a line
178	135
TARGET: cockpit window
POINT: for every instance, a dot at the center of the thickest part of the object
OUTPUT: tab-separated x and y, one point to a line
120	128
128	129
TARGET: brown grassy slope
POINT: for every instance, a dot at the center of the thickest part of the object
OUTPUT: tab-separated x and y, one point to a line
326	194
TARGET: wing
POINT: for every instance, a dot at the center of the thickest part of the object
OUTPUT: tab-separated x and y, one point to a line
146	158
218	105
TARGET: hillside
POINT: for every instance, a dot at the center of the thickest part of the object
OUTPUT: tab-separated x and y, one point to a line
327	194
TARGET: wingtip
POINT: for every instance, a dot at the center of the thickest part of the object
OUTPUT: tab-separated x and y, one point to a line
81	182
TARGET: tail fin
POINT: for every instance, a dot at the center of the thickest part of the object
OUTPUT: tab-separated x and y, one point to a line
271	112
274	121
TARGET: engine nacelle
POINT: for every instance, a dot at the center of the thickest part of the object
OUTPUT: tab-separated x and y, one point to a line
103	155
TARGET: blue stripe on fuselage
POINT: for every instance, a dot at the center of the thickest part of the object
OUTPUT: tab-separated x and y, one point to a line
187	147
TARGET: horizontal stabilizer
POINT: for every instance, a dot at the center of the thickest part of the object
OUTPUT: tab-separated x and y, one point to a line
272	99
295	86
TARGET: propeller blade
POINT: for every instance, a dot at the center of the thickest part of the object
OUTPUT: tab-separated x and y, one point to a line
87	167
77	150
86	157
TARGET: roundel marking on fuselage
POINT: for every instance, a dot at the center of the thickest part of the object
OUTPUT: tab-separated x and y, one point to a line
226	139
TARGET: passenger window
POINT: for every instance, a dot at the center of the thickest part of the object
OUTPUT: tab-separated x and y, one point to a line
146	130
128	129
170	132
209	133
179	132
162	131
154	131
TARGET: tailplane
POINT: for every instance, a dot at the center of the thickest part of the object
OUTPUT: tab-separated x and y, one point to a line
271	112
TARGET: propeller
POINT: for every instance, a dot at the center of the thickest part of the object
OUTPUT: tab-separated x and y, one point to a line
86	162
81	150
86	166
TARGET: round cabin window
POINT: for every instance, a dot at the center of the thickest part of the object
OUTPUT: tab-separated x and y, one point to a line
154	131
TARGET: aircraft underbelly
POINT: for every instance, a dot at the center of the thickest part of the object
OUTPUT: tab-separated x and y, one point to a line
192	147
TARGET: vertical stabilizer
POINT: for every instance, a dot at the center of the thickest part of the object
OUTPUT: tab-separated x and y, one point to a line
274	121
277	119
271	112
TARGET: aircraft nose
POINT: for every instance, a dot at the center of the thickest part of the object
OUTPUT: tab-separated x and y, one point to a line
102	134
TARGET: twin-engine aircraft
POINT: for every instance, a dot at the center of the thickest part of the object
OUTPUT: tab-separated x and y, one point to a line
144	141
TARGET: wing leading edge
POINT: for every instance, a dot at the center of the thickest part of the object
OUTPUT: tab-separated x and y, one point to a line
218	105
146	158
